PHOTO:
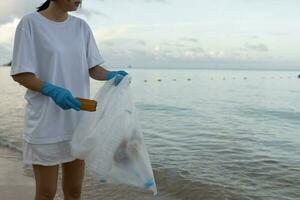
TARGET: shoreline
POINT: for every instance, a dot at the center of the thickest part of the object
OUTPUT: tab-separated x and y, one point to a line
17	182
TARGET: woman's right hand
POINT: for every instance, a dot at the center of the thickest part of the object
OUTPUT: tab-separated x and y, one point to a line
62	97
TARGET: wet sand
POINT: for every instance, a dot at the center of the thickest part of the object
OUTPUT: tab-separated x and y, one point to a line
14	184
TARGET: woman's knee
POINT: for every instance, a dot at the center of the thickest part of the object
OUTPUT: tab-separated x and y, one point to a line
45	193
72	191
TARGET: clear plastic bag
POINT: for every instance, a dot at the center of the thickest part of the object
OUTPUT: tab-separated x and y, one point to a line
111	141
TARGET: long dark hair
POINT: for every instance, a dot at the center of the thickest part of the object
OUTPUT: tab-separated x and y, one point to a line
44	6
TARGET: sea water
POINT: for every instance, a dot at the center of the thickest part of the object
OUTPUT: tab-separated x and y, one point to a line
211	134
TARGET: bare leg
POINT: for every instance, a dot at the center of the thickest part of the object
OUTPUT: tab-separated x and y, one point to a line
73	174
46	181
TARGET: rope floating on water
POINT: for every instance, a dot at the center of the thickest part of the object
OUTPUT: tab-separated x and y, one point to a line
229	78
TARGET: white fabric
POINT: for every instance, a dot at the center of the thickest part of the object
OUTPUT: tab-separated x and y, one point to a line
47	154
111	140
60	53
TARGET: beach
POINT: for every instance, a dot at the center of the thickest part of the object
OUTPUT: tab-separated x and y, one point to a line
14	184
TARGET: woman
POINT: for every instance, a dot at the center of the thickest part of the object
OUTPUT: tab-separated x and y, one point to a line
54	55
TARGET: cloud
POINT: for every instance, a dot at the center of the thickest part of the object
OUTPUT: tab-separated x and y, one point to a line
280	33
121	51
257	47
196	49
89	13
254	37
7	32
173	44
10	14
163	52
6	40
142	42
158	57
193	40
119	43
108	43
147	1
159	1
9	10
109	34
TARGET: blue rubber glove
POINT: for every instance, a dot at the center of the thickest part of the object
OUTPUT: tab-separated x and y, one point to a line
118	74
62	97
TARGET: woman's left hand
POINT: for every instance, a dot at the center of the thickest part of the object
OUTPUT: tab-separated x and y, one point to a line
118	75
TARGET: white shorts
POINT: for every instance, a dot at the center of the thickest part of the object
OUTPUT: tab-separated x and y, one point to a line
47	154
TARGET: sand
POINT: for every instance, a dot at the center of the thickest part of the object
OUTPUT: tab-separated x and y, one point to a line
14	184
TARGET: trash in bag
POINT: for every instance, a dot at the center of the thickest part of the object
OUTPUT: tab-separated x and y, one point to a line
111	141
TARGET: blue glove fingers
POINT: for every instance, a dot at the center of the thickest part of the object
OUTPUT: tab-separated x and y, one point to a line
118	79
72	102
62	97
75	101
59	99
112	74
123	73
63	106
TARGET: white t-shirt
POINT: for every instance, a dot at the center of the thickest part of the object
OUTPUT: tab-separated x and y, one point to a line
60	53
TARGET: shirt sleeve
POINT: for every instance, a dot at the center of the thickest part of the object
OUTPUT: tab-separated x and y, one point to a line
24	59
93	55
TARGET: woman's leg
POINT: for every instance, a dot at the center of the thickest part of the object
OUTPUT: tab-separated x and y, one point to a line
73	173
46	181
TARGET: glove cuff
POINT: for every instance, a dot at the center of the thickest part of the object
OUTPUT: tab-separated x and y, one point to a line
47	88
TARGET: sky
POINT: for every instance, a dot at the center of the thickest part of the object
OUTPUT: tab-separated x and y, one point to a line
246	34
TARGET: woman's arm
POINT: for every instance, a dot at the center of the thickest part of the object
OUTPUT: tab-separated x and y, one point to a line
101	74
98	73
61	96
29	81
